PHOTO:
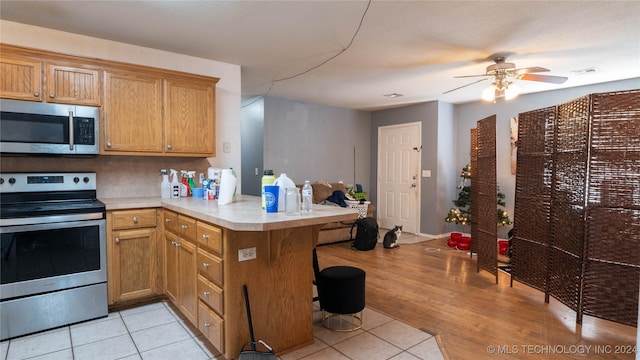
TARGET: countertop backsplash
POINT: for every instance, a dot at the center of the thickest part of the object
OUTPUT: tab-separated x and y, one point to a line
117	176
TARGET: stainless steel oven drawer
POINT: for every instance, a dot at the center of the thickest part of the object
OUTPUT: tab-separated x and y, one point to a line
46	311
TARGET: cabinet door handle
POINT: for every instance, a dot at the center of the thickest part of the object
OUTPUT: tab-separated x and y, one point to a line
205	293
135	220
109	144
169	146
117	240
205	237
205	265
36	94
178	244
167	220
185	227
52	95
173	243
207	325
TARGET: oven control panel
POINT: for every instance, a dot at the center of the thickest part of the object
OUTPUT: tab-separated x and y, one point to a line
36	182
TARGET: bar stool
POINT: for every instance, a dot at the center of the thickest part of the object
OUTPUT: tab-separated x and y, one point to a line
341	292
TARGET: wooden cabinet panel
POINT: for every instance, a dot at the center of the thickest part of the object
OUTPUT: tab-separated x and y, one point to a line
132	112
135	271
20	79
171	274
126	219
132	255
210	236
211	325
188	283
73	85
210	294
211	266
187	228
190	117
170	221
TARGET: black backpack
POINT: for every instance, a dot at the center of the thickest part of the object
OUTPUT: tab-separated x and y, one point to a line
366	234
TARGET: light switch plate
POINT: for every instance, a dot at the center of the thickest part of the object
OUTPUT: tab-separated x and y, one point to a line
226	147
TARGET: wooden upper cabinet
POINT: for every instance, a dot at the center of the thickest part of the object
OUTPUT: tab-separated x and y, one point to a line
72	85
144	110
20	78
66	82
190	117
132	112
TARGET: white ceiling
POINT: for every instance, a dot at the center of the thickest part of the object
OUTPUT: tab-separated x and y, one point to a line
413	48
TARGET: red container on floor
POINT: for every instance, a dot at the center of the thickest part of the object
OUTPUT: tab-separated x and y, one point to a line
502	246
464	243
453	239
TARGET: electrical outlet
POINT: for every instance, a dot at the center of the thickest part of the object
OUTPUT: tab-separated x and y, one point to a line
246	254
226	147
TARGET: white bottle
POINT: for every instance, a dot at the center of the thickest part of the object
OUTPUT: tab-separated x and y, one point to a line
165	186
307	198
283	182
175	184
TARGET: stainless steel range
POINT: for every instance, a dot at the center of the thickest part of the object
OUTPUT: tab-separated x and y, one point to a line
53	251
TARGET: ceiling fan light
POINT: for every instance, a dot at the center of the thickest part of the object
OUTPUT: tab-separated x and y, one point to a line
511	92
489	93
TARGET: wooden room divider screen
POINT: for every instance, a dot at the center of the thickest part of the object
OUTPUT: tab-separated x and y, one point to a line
484	195
577	204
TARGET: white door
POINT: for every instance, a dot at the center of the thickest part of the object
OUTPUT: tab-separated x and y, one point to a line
398	176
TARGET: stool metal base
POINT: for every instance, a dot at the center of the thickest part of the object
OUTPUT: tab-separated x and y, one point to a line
342	322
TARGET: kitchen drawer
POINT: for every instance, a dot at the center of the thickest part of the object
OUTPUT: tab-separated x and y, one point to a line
210	294
209	236
170	221
187	228
211	325
210	266
129	219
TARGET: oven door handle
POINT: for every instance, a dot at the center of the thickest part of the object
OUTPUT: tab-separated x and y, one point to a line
51	219
71	130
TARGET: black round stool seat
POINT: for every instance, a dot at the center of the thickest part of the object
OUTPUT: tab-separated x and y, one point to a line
341	289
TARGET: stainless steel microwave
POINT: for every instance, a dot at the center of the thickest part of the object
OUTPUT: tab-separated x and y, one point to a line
40	128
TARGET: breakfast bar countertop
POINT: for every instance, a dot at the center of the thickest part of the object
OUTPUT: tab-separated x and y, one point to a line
243	214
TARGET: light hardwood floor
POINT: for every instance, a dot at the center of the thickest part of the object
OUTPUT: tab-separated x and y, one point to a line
435	288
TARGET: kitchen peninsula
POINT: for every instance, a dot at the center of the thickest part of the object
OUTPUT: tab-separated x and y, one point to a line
206	252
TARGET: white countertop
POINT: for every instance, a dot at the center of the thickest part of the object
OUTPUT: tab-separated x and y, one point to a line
244	214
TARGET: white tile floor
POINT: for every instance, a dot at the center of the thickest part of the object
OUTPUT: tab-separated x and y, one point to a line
156	332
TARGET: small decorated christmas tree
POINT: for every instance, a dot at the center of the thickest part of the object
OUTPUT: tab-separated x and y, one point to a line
461	214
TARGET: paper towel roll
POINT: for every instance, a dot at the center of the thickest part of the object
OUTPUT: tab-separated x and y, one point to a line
227	187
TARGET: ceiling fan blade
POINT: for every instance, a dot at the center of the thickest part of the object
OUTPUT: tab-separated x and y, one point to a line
460	87
544	78
529	70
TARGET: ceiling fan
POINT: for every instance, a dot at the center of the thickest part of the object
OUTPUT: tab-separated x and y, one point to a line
503	74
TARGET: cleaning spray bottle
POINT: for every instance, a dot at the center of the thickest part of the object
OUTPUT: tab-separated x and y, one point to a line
190	181
185	190
165	186
175	185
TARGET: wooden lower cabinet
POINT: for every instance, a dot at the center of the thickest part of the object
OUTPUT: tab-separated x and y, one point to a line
132	254
180	274
187	298
279	282
171	266
211	284
211	325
